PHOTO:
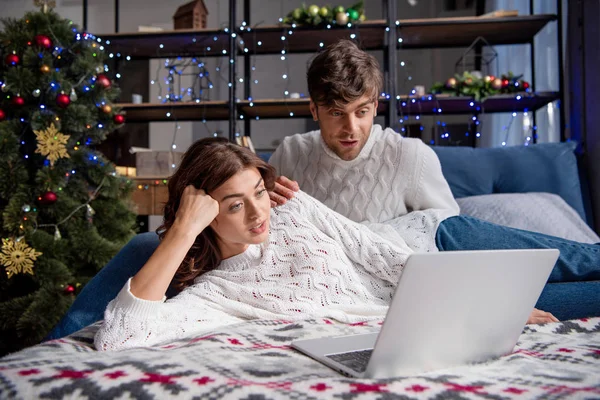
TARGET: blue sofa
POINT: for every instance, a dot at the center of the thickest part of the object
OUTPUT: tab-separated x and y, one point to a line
541	168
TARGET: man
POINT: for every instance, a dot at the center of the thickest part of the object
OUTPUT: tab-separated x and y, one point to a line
365	173
377	177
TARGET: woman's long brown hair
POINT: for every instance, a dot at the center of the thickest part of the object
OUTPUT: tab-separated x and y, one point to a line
207	164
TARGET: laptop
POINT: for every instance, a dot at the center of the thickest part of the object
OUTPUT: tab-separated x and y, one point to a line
449	309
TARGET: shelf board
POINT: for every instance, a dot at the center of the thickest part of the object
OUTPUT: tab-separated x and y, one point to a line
306	39
182	42
462	31
462	105
205	110
281	108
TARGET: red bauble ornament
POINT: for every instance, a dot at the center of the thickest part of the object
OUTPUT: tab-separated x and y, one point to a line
48	198
18	101
43	41
62	100
69	289
12	59
526	85
119	119
2	115
103	81
505	83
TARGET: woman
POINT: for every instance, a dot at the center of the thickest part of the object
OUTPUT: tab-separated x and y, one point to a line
234	258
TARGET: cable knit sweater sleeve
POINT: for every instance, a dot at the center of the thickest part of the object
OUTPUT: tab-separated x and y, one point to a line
431	188
133	322
364	247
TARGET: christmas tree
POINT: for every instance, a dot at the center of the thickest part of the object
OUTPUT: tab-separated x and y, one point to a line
65	212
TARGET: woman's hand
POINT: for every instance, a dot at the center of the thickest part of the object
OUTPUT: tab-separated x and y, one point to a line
541	317
196	210
283	191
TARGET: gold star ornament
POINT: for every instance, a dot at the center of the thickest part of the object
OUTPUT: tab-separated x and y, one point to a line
52	144
45	4
17	257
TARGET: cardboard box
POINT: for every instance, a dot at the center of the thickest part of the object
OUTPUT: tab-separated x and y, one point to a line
149	196
157	163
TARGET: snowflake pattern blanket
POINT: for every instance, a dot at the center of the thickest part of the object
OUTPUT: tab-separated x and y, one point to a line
253	360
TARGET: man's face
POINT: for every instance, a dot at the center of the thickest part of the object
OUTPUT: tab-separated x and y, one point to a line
346	130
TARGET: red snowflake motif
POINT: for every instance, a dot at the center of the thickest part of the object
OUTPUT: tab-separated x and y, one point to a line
320	387
73	374
514	390
417	388
28	372
235	341
362	387
328	322
115	375
204	380
465	388
562	349
361	323
584	319
158	378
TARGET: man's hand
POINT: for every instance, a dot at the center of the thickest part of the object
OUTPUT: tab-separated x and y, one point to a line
283	191
541	317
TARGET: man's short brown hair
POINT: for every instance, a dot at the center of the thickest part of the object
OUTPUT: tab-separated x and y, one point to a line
343	73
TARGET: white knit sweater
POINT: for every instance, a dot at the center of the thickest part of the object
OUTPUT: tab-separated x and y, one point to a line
316	263
391	176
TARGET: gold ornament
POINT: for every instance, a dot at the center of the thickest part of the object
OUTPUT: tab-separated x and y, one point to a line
106	109
17	257
45	69
341	18
52	144
497	84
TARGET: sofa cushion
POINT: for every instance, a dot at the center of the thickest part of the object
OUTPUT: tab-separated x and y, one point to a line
545	213
545	167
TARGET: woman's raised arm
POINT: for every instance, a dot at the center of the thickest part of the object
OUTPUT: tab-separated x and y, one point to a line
196	211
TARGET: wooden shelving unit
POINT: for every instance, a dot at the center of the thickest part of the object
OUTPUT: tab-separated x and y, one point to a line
372	35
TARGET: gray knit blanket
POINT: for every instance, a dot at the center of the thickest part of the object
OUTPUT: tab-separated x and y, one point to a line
253	360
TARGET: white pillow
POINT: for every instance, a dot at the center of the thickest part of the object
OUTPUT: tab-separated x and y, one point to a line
538	212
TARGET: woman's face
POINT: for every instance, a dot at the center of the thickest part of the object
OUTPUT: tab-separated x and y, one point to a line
244	211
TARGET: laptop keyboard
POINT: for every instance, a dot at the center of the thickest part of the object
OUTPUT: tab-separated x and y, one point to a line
355	360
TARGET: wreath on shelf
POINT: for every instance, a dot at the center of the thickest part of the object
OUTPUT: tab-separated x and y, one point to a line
474	84
326	15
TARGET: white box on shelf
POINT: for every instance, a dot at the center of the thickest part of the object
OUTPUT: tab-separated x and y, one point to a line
156	164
